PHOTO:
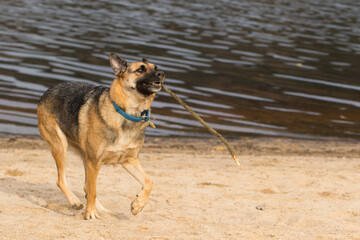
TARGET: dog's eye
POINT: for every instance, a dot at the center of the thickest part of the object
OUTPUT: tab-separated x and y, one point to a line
141	69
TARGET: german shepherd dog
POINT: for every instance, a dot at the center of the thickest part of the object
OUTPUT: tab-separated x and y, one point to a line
87	117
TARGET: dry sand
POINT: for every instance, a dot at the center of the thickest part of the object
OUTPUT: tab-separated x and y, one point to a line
287	189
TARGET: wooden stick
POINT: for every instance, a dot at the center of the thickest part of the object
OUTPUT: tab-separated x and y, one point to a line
197	117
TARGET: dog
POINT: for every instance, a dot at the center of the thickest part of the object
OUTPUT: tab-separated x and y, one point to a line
105	126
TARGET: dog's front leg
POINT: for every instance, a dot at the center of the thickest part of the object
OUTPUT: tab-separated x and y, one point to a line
91	174
134	168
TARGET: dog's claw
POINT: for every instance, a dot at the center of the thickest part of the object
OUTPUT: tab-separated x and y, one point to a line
91	215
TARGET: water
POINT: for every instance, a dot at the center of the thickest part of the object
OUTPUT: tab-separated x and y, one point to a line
248	67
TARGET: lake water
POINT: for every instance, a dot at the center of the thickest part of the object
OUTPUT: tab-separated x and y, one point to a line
248	67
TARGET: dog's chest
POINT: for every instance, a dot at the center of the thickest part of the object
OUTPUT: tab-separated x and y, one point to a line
115	157
126	146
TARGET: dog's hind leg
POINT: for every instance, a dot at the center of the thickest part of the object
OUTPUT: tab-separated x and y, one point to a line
135	169
57	141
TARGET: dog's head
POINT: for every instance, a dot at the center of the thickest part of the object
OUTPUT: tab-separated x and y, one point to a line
139	77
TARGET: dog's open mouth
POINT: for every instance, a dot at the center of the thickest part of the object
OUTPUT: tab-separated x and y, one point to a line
150	83
157	84
147	86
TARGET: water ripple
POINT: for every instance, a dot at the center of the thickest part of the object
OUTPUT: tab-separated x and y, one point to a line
248	67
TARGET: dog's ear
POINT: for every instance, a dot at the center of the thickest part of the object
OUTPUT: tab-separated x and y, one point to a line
118	64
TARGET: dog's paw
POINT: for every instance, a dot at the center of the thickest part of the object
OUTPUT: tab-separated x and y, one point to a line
91	215
136	206
77	206
75	203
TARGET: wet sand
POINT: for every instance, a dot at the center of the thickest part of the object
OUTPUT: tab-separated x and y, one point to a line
287	189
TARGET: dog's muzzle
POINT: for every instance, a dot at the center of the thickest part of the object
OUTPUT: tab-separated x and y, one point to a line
151	83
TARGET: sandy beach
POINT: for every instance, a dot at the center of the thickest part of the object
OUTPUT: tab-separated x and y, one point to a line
287	189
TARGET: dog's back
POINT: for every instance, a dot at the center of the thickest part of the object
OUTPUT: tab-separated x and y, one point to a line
64	102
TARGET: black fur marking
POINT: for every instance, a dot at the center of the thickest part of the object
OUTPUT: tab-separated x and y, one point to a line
64	102
143	85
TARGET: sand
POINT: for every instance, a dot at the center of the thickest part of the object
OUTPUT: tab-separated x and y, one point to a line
287	189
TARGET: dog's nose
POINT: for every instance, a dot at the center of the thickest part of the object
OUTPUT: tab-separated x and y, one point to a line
160	74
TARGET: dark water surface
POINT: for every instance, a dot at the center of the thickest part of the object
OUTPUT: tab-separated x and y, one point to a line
249	67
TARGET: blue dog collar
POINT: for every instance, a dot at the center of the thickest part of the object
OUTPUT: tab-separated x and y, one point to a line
144	115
